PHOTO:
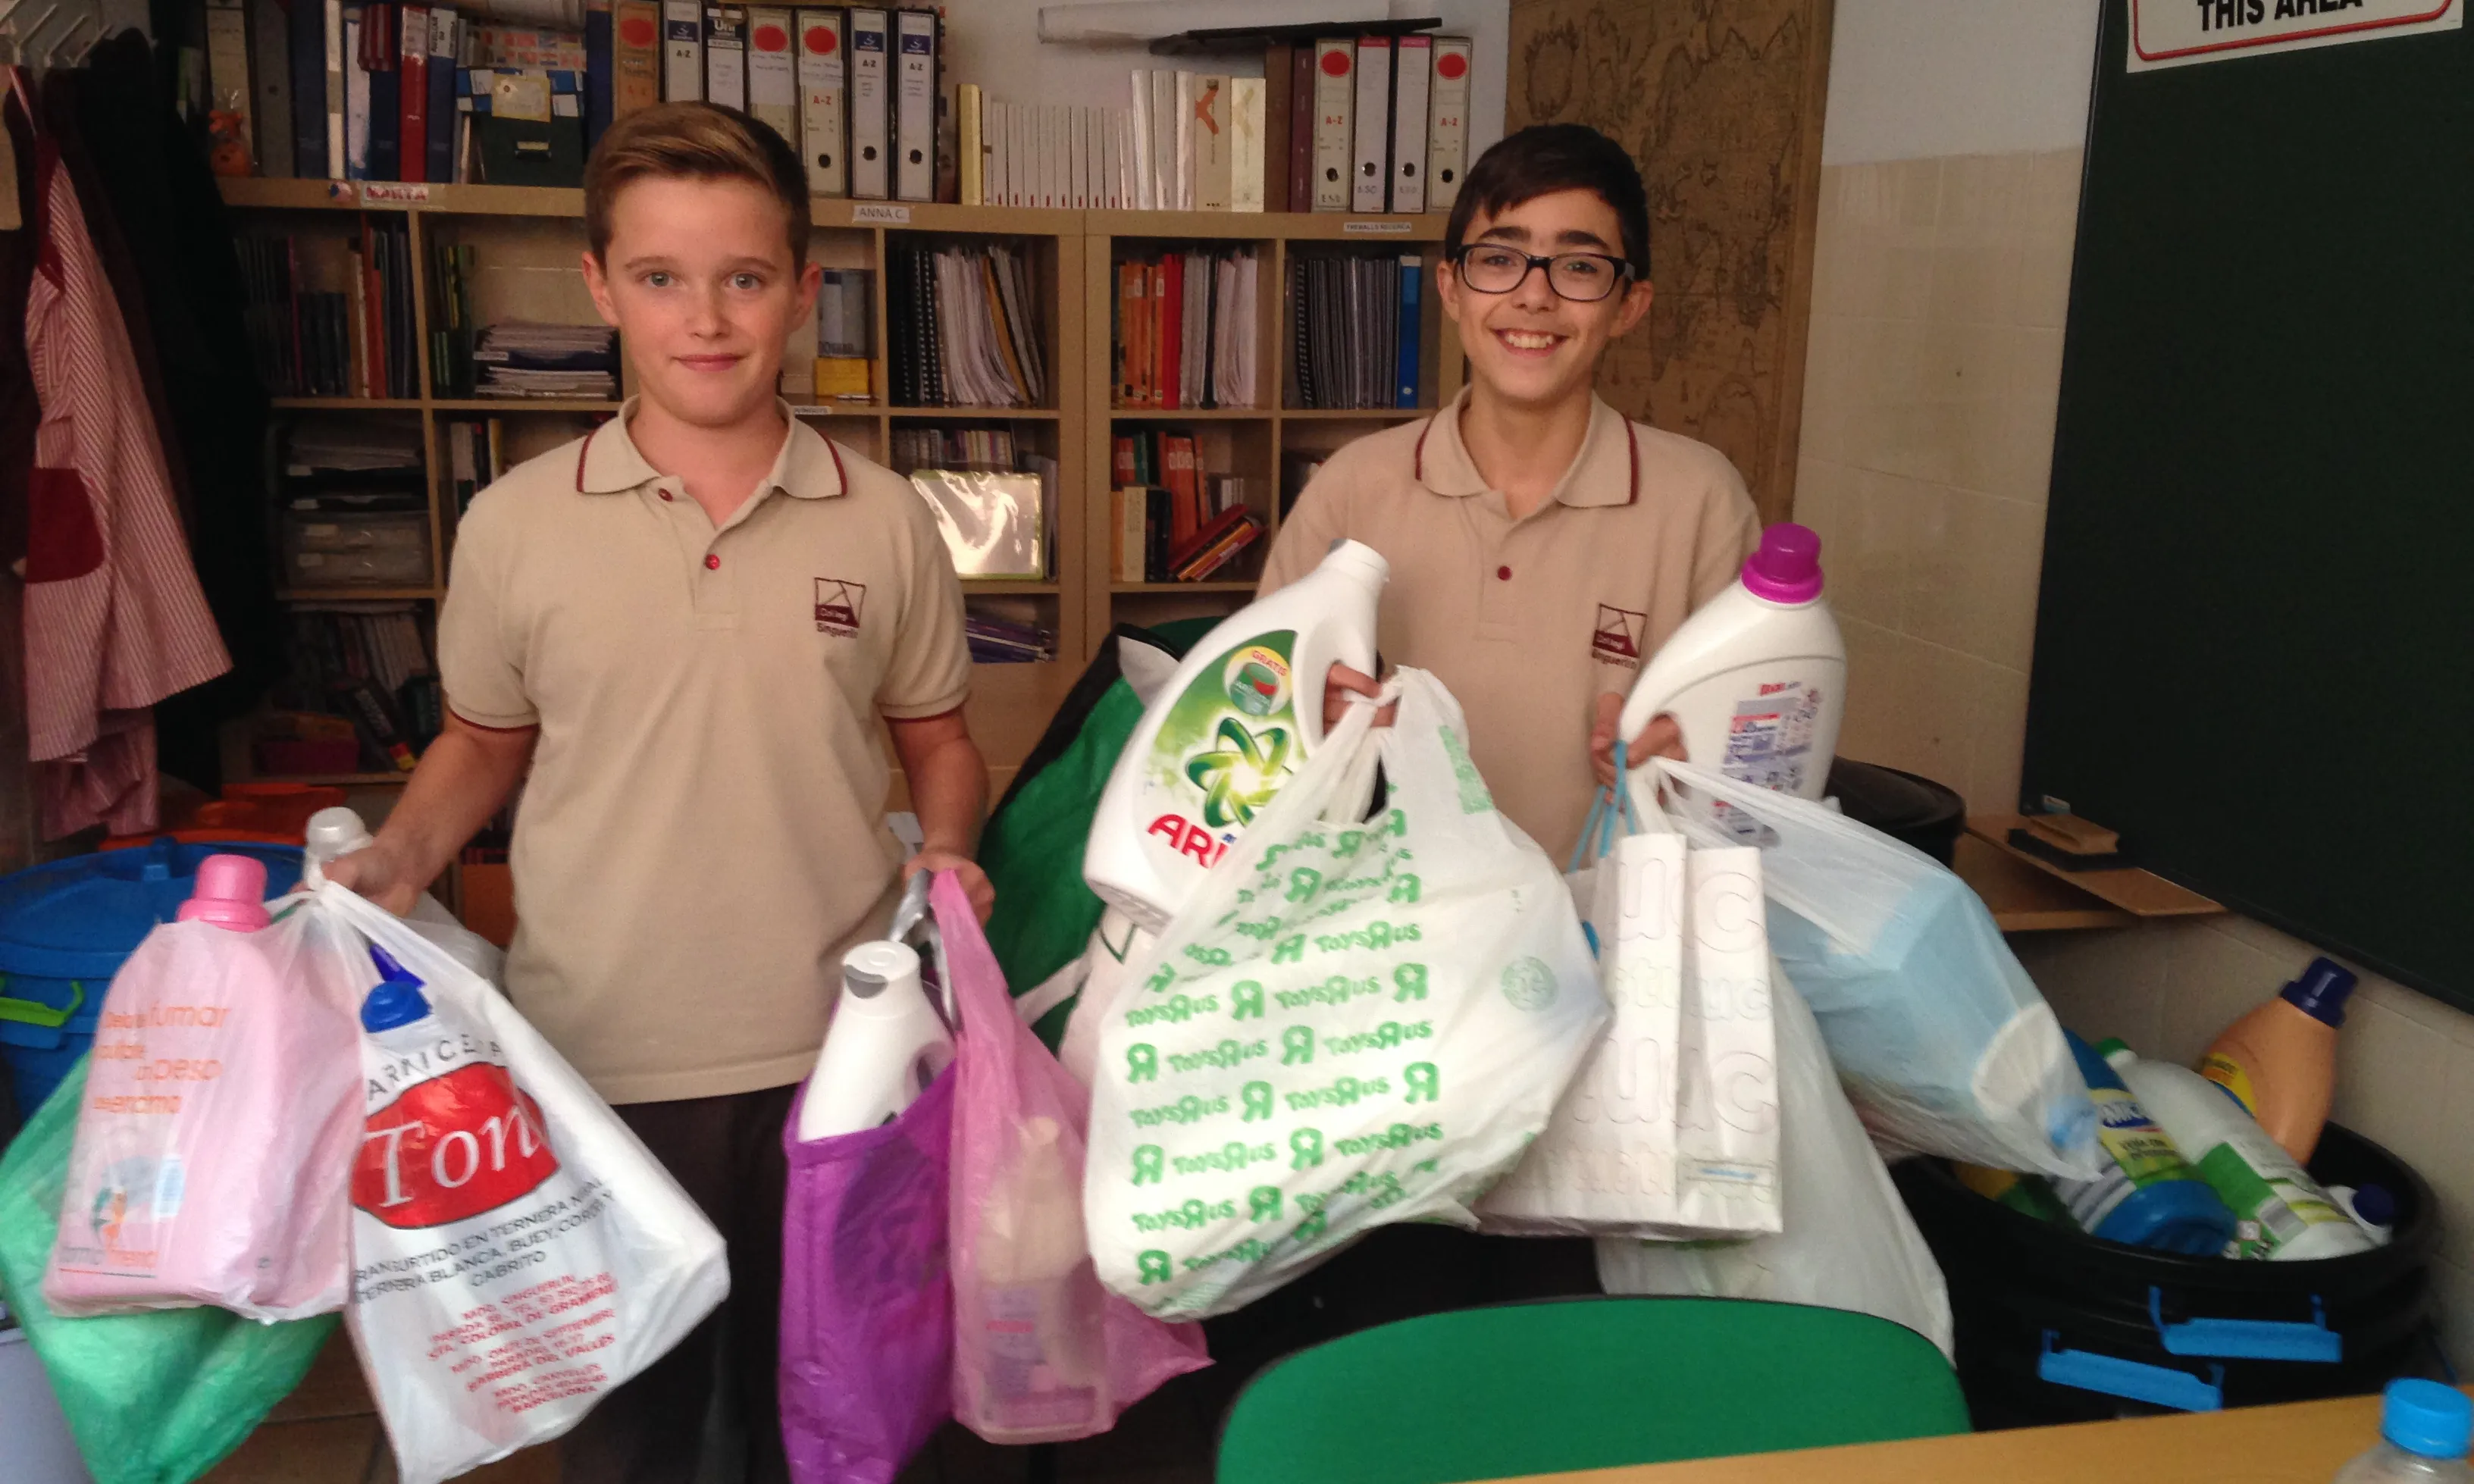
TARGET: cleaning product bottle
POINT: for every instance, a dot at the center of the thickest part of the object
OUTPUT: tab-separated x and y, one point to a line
2280	1060
1032	1353
2424	1428
1229	728
2279	1210
330	835
1757	677
231	893
885	1046
2026	1194
2371	1206
2145	1196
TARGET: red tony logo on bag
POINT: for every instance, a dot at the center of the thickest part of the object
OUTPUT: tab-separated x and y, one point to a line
451	1148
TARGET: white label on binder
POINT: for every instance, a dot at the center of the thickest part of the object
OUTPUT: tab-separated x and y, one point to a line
882	214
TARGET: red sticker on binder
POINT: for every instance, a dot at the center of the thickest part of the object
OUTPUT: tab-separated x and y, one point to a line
822	41
1450	64
773	38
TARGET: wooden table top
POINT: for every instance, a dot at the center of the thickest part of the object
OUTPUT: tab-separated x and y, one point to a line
2304	1443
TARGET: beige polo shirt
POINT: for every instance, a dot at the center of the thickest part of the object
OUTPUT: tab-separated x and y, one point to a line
703	833
1527	622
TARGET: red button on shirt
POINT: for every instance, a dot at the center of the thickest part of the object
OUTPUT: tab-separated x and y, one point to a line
666	494
712	564
1504	573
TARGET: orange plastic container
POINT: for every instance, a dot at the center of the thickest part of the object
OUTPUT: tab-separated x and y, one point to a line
2280	1060
271	813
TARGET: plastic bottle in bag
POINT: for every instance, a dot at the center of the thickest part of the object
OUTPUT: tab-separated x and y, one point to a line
2146	1195
1040	1375
1229	728
884	1049
2280	1060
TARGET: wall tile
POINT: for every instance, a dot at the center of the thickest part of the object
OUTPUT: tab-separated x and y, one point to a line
1997	735
2099	983
2210	981
1829	386
2455	1283
2049	229
1977	238
1936	700
2448	1163
1873	729
1975	590
1971	367
2030	398
1884	524
2391	1084
1821	491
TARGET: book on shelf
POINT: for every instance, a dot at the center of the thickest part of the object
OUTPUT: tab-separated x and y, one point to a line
368	666
451	329
475	453
994	640
914	70
845	337
871	104
519	358
725	55
1354	331
527	125
1185	328
772	72
926	445
964	329
824	132
1144	543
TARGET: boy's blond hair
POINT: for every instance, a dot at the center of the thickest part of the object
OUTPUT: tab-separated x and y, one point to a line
697	141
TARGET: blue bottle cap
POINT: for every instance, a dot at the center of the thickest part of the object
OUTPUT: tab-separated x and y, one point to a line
2321	990
2427	1417
396	1000
2374	1205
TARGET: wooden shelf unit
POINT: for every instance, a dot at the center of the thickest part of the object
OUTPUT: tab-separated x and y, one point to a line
538	230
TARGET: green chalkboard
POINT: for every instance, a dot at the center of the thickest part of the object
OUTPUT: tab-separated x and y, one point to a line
2255	638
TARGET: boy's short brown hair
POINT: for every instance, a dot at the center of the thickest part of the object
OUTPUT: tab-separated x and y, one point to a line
696	141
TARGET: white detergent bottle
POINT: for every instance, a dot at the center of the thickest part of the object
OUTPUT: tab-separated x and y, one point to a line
885	1046
2280	1212
1234	723
1757	677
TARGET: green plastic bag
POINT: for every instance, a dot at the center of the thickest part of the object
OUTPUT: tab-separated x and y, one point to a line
158	1398
1033	847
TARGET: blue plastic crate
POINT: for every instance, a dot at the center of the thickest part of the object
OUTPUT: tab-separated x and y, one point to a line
66	928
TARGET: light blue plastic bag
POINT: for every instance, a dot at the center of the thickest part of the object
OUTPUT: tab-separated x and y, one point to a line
1941	1039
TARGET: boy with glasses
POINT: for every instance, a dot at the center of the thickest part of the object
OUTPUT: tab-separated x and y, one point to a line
1541	546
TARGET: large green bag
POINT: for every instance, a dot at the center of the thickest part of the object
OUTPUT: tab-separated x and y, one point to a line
158	1398
1033	847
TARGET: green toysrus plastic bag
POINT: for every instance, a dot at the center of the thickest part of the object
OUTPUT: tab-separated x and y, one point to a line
158	1398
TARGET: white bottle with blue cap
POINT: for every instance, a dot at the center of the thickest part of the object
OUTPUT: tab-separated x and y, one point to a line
2424	1428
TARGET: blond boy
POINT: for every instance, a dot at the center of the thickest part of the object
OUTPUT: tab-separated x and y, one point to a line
687	625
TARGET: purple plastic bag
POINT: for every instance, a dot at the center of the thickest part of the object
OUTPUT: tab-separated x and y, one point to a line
867	1302
1041	1352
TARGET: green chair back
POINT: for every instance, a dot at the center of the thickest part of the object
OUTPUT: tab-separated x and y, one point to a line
1585	1383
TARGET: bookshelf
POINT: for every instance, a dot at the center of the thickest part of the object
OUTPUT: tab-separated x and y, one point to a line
526	241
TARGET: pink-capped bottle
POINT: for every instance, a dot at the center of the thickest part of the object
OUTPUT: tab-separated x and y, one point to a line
1757	677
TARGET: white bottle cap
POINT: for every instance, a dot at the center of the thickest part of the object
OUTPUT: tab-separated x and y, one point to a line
335	832
870	967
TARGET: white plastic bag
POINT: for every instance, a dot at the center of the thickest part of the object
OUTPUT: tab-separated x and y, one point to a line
1943	1043
516	1251
1670	1128
1349	1024
1848	1242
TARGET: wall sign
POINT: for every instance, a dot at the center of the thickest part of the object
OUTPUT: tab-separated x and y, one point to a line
2177	32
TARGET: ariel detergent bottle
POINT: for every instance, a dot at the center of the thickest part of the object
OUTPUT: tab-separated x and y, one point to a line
1232	725
1757	677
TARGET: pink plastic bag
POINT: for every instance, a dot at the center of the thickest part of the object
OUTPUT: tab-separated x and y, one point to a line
867	1305
220	1119
1041	1352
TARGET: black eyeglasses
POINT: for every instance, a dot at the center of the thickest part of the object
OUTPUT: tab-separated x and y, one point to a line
1583	277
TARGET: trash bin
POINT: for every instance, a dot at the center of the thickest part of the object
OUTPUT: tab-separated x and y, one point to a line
65	928
2055	1325
1909	808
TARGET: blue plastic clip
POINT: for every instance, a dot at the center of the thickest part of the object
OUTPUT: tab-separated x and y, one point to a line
2251	1339
2132	1381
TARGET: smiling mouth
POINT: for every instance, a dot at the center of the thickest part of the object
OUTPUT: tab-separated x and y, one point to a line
1530	341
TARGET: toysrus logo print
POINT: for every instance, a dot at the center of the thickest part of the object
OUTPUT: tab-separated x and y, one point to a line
837	606
451	1148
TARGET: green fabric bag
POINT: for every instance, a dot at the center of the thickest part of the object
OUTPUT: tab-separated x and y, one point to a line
1032	846
158	1398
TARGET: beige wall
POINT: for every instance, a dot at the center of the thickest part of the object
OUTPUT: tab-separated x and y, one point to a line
1941	286
1936	356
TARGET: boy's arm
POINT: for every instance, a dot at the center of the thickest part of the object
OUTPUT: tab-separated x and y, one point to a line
949	792
463	778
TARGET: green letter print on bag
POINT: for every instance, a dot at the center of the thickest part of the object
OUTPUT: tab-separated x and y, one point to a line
1395	1004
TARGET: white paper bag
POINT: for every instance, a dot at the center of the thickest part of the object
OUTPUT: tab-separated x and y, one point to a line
1671	1127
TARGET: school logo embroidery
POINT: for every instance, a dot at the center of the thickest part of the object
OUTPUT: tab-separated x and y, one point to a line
837	606
1620	635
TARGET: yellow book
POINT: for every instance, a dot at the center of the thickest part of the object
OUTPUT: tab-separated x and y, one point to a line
843	377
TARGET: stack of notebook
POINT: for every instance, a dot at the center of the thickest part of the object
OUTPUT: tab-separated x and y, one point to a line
523	359
964	330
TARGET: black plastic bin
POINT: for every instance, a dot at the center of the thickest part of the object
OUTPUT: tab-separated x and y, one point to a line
2053	1325
1907	807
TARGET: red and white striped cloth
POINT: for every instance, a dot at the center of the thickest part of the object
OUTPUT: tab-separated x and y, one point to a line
115	618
